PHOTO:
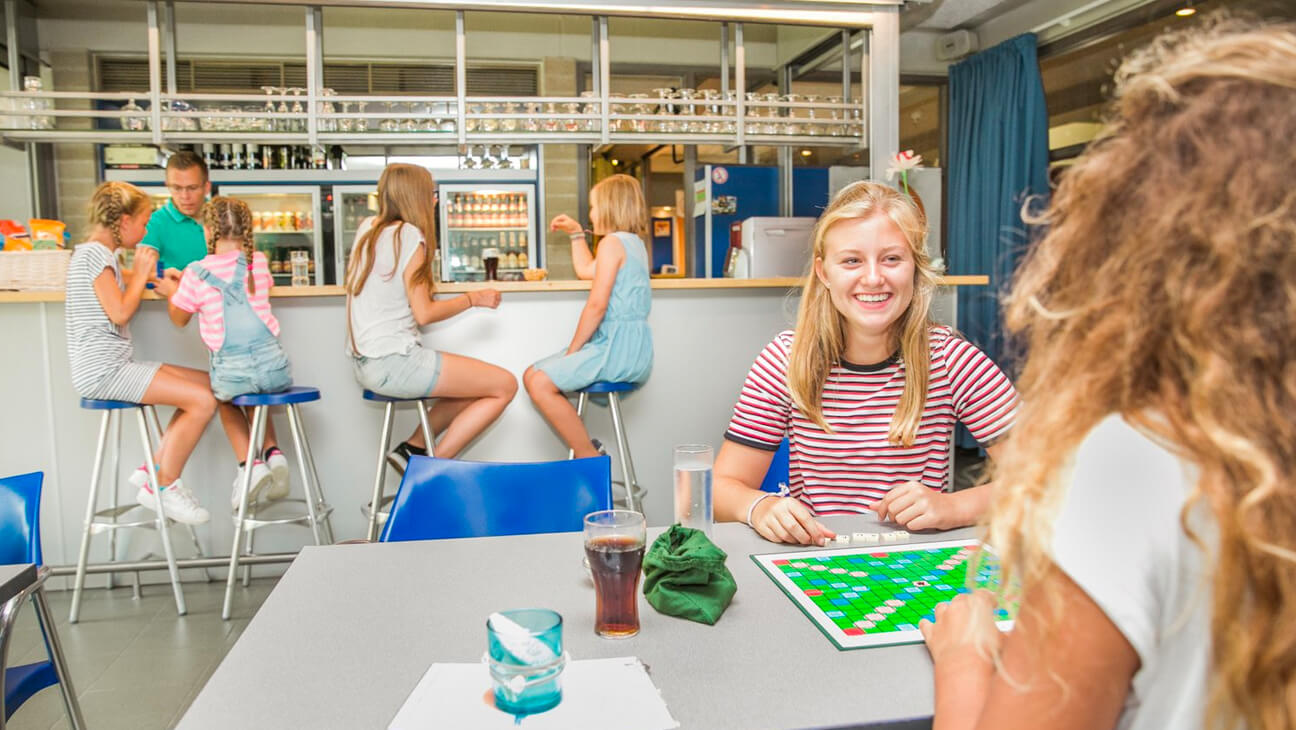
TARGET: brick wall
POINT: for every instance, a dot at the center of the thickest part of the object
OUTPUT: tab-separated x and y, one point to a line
76	169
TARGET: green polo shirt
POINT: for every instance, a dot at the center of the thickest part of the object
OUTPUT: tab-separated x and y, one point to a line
177	238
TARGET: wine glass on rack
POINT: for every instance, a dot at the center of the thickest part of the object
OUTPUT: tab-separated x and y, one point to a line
360	124
283	124
409	123
270	121
505	163
345	124
298	125
489	161
327	123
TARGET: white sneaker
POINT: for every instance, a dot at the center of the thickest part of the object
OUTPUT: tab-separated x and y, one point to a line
178	502
261	478
278	464
139	477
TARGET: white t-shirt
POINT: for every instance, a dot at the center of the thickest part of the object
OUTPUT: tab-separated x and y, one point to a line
382	322
1118	536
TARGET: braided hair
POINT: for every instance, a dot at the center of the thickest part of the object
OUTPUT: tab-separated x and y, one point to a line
224	217
113	201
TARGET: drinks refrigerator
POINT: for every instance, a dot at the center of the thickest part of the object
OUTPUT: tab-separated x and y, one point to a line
285	219
351	205
478	216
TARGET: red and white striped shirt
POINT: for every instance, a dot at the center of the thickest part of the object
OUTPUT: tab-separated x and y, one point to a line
196	295
845	471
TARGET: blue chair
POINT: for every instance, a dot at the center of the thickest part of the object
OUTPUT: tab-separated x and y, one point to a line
448	498
317	511
777	476
377	509
20	543
613	391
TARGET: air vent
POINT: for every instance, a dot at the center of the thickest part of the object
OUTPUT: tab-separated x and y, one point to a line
128	74
248	76
235	77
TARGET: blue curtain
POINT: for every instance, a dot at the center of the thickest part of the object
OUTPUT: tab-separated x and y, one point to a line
998	157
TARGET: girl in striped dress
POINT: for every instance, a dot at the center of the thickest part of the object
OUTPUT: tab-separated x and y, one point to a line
229	289
102	356
866	389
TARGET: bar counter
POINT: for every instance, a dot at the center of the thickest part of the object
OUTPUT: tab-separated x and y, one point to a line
333	290
706	333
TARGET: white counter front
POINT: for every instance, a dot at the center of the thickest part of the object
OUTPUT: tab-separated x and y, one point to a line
704	340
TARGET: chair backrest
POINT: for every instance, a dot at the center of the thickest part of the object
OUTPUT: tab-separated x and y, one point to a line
777	475
446	498
20	518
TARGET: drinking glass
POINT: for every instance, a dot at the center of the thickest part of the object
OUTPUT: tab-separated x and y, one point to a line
524	652
614	545
693	464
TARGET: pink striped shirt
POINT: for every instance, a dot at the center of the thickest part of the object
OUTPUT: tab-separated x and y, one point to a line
196	295
853	466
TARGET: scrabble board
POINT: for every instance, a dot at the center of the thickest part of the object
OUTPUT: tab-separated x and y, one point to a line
875	595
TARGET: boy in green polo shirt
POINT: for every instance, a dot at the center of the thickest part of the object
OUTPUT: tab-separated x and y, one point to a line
175	232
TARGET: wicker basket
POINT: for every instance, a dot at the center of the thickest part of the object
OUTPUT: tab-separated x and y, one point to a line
34	270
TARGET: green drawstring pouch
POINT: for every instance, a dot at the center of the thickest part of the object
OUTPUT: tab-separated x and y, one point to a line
685	576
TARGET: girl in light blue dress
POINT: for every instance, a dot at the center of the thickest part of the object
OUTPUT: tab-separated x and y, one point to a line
612	342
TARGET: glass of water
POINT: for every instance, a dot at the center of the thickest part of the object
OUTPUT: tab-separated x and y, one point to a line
693	464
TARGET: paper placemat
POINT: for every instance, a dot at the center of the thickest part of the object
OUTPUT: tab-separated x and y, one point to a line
597	693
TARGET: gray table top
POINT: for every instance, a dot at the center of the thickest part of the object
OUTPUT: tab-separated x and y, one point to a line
14	578
350	630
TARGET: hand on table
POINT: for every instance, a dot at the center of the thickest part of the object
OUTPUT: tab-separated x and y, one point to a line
915	506
786	519
484	298
167	285
566	224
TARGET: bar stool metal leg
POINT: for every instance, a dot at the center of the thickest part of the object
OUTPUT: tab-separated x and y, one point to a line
425	423
380	475
321	506
257	435
314	500
623	446
84	555
55	649
581	400
161	511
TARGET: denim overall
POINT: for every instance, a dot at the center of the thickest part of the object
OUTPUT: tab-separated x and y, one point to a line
250	359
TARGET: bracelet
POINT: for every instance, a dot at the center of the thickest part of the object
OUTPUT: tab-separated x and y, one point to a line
468	296
577	234
752	508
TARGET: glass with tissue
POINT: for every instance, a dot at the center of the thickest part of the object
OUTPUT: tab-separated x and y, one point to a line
614	544
526	659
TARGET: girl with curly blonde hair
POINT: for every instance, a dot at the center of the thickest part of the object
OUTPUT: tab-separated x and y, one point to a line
1145	508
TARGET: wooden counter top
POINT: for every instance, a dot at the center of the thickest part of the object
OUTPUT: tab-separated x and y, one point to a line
787	282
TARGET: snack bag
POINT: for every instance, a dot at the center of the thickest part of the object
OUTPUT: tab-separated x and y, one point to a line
46	234
14	236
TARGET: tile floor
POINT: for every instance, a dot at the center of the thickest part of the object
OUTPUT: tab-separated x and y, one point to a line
134	663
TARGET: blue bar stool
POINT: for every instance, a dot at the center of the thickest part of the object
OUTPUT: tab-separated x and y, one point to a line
317	510
633	492
108	520
379	504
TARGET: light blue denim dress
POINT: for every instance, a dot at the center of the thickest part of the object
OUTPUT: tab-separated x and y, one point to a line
250	359
621	349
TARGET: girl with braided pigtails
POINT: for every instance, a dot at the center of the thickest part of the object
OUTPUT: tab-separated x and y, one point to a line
101	353
229	289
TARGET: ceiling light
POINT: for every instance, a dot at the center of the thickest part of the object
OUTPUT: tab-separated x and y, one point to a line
616	162
806	153
1186	11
